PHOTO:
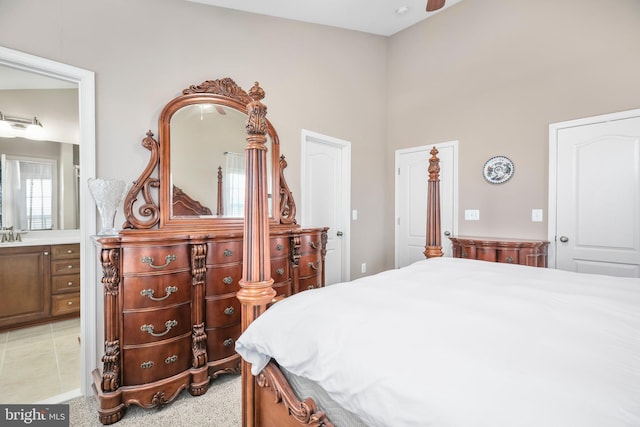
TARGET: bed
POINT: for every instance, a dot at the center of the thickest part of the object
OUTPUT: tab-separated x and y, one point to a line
442	342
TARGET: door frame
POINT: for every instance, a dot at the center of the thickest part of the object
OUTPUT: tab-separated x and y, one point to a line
554	129
85	80
345	149
427	148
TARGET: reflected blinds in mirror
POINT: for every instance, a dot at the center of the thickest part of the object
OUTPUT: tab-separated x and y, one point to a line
234	184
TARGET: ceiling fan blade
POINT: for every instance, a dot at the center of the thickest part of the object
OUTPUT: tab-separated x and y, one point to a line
433	5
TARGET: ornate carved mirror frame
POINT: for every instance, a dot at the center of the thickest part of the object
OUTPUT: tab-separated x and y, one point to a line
149	214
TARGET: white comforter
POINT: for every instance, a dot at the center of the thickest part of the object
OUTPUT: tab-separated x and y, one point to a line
452	342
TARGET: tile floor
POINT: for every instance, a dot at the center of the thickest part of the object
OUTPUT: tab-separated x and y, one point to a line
40	362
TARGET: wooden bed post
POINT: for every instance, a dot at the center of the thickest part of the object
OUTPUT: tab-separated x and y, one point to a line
256	291
433	246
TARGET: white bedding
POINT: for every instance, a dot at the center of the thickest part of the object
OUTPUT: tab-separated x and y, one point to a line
452	342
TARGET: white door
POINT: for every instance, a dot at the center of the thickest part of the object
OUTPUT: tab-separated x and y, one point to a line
326	192
597	224
411	200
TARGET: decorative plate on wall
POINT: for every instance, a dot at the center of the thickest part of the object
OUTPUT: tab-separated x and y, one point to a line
498	169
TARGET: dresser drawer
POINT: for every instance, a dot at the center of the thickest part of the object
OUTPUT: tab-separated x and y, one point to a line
280	269
65	304
145	364
509	256
224	252
65	266
222	312
157	259
221	342
312	282
279	246
283	289
65	251
310	264
66	283
156	290
310	244
224	279
147	326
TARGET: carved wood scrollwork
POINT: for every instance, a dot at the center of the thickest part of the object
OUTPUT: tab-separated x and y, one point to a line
305	412
224	87
109	259
287	204
144	184
111	366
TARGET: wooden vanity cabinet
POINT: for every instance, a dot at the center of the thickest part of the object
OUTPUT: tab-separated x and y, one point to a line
511	251
25	285
38	284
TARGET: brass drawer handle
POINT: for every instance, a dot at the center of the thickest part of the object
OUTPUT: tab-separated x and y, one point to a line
149	293
279	247
313	245
464	255
147	365
311	287
149	260
227	252
280	271
314	266
509	259
171	359
227	280
228	342
229	311
149	328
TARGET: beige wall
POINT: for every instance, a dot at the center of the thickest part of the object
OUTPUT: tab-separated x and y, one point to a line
144	52
493	74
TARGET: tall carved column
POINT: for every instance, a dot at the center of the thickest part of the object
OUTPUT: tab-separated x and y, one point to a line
256	291
433	246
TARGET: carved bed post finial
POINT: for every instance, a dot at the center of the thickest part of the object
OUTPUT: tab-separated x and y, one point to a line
220	207
256	291
433	246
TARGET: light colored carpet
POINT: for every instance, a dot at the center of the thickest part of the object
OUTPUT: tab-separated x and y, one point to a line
220	406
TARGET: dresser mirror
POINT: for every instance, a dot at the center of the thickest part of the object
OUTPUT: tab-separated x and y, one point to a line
200	157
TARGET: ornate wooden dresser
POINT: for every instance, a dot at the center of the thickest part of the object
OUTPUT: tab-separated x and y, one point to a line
512	251
170	277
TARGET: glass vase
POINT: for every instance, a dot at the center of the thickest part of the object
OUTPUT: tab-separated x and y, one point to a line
108	194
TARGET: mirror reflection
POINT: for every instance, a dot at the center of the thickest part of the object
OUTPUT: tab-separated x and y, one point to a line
207	161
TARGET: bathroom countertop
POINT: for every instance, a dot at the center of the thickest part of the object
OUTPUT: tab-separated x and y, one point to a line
55	237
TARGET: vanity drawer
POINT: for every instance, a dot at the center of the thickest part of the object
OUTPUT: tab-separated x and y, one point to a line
280	269
310	244
279	246
221	342
222	312
65	304
156	291
224	279
155	259
147	326
65	251
224	252
66	283
148	363
65	266
313	282
310	264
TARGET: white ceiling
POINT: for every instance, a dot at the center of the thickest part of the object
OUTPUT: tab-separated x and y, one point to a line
370	16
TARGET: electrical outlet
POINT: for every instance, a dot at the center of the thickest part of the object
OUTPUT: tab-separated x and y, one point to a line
364	267
536	215
472	215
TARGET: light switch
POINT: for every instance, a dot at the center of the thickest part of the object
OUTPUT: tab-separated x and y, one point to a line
536	215
354	214
472	215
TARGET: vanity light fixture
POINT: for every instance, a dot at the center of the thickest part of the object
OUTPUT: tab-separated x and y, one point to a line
11	127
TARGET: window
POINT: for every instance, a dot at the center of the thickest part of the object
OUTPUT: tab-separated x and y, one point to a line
28	193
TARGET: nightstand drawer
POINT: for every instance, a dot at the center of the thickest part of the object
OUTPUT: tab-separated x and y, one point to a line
310	264
310	244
